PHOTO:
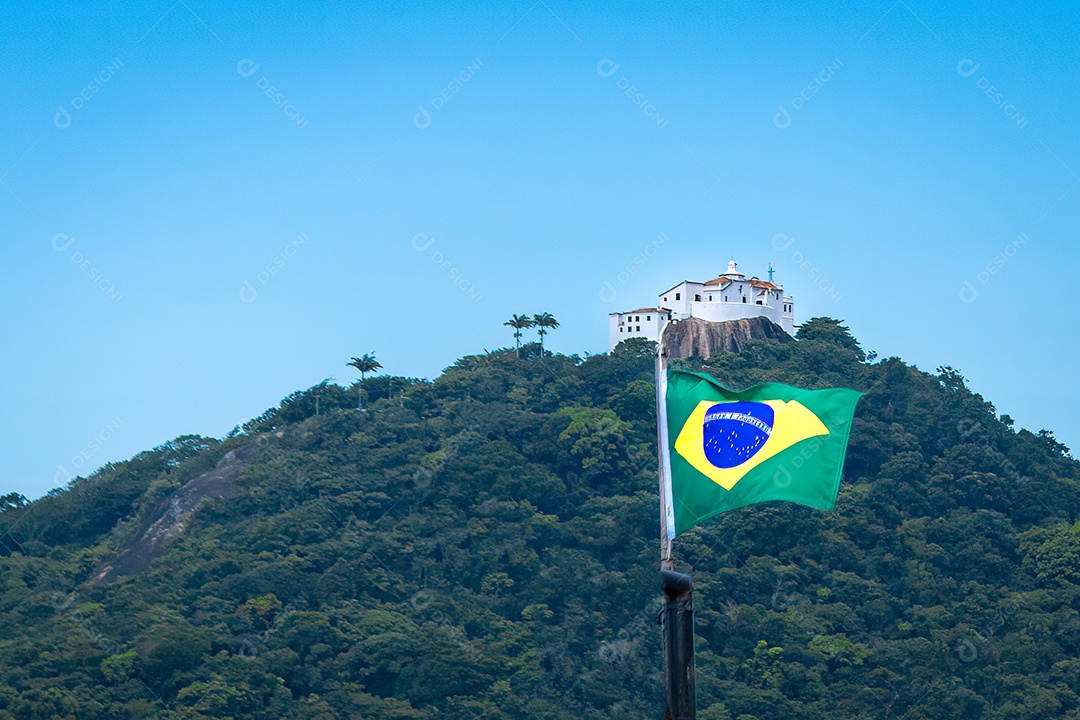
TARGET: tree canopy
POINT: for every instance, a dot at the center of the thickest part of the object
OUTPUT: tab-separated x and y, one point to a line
484	546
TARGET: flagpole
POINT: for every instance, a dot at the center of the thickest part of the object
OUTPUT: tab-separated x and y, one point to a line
677	616
661	448
667	509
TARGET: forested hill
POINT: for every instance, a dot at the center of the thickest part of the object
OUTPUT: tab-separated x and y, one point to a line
484	546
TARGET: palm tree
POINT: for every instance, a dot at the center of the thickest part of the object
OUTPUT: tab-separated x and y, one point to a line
519	323
544	321
365	364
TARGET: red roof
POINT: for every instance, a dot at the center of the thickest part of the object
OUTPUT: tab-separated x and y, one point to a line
755	282
645	310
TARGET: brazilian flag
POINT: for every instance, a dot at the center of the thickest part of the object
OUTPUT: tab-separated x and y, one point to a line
722	449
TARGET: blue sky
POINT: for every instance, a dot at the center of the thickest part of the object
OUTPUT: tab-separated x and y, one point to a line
206	207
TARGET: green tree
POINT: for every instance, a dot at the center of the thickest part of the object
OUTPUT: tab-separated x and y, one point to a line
364	365
519	323
830	331
545	321
11	501
764	669
171	649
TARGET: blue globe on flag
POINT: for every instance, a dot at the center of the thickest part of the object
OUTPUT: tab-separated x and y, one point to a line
734	432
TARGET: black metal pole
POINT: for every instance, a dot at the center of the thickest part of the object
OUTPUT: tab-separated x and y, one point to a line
677	625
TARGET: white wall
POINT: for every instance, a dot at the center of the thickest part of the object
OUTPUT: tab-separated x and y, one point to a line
787	319
681	307
614	335
632	325
722	312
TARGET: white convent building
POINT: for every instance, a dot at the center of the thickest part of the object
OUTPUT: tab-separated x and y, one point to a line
732	296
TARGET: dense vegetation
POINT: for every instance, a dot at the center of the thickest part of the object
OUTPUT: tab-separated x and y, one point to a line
483	546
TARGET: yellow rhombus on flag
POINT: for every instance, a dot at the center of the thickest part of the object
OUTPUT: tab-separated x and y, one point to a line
724	449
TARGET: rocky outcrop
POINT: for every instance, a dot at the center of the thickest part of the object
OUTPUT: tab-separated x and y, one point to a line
694	337
168	519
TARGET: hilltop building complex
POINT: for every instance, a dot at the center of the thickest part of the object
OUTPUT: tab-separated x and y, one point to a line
731	296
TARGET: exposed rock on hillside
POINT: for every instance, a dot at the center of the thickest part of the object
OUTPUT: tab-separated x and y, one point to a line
167	520
694	337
